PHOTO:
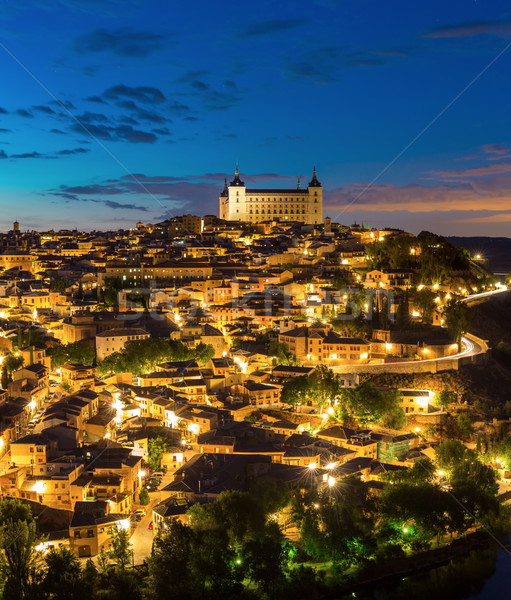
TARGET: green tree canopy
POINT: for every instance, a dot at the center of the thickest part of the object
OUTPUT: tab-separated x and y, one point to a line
75	352
368	404
142	356
458	319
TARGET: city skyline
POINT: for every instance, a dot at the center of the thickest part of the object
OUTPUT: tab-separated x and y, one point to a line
122	112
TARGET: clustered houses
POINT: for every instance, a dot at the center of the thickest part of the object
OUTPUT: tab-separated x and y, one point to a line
259	289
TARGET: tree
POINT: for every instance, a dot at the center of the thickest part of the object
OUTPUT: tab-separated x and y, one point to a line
142	356
60	285
324	385
415	513
295	391
450	453
237	513
5	378
424	301
63	579
156	449
263	559
120	551
12	363
336	526
423	471
20	565
280	351
457	318
76	352
367	404
204	353
170	575
143	497
403	311
444	399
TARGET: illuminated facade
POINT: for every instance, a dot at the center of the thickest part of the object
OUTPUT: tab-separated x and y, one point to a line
237	203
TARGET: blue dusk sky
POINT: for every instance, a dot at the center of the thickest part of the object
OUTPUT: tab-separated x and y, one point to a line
115	111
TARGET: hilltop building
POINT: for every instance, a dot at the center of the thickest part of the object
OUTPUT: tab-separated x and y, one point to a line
237	203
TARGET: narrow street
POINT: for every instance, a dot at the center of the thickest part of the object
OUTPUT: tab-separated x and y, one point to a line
142	537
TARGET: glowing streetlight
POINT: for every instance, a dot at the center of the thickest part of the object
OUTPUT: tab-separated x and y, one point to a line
39	487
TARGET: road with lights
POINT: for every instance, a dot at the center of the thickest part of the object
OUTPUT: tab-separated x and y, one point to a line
483	295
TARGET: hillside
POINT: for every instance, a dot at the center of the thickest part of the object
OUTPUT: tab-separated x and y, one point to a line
491	319
488	384
496	250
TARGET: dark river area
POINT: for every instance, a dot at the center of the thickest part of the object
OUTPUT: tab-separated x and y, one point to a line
484	574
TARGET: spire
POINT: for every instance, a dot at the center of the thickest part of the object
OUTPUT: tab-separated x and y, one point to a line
298	185
225	191
314	181
237	181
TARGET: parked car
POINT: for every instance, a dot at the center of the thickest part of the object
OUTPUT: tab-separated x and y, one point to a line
150	526
159	474
152	484
140	511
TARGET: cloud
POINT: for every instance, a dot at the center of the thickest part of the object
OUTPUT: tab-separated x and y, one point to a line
496	217
122	42
87	70
117	205
73	151
215	100
142	113
31	155
120	133
189	76
3	154
22	112
323	65
90	117
44	109
48	155
492	169
492	193
268	27
2	130
65	104
496	149
466	30
145	94
177	192
179	109
199	85
162	131
59	131
96	99
3	111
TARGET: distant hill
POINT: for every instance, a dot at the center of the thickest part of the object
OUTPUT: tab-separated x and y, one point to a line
496	250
